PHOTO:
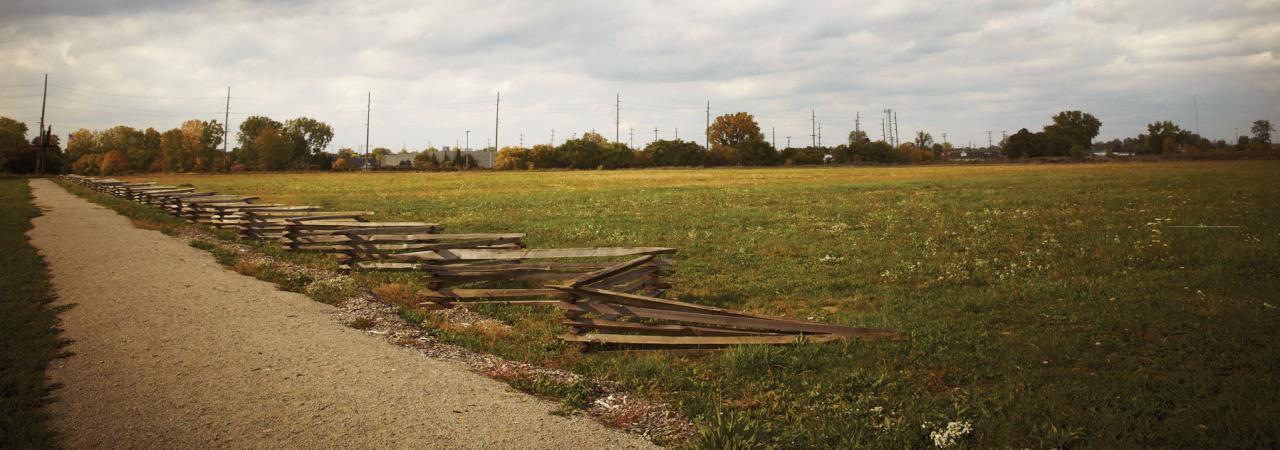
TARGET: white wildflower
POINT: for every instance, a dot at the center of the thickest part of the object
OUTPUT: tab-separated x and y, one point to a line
830	259
950	435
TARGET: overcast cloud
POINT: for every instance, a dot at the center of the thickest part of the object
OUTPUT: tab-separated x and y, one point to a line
960	68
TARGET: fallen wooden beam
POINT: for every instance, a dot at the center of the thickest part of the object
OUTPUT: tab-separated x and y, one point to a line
632	339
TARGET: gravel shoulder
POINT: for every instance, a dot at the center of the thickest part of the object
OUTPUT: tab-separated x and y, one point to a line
172	350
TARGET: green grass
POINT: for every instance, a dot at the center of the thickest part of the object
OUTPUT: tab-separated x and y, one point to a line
28	325
1048	305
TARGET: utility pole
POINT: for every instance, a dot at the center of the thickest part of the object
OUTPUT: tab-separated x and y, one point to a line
44	139
468	147
707	143
553	137
887	123
44	143
496	106
617	118
633	137
677	137
944	138
989	145
882	136
897	138
226	126
788	141
655	134
857	125
368	114
813	127
774	132
819	134
521	139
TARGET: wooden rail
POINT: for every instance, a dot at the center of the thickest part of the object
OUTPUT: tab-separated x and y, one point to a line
609	296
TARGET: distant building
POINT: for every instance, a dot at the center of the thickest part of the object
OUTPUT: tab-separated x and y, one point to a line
484	158
397	159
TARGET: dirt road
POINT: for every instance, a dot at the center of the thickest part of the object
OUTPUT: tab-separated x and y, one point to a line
173	351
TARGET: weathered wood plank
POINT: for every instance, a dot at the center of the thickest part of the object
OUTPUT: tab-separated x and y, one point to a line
665	330
593	306
491	293
599	338
473	254
610	271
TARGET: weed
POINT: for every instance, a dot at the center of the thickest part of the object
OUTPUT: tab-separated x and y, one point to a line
28	325
1055	304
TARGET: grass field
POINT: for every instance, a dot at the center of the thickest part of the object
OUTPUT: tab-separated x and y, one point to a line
28	333
1047	305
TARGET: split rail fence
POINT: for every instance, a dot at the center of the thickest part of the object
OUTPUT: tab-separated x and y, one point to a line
608	295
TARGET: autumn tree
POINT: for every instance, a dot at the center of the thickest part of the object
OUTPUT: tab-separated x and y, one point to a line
1164	137
1262	130
1022	144
426	160
201	141
923	139
86	164
378	153
544	156
12	133
170	157
273	149
858	137
729	130
586	152
309	137
13	141
511	158
668	153
736	139
82	142
113	163
1070	129
253	126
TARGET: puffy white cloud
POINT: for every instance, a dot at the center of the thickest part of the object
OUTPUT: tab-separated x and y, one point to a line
955	67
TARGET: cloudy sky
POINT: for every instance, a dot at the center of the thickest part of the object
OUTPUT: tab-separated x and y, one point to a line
434	68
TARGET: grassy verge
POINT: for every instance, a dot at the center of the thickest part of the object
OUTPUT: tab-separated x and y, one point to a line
1048	305
28	325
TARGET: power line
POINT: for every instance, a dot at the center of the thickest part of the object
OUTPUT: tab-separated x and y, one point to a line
126	108
89	91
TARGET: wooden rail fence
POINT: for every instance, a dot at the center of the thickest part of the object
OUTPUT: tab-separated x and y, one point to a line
608	295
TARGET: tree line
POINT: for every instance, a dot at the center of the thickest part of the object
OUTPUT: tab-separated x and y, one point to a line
735	140
195	146
1071	133
264	144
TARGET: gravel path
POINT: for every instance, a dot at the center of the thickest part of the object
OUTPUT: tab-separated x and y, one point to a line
173	351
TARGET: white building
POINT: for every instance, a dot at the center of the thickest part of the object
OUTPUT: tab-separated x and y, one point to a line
483	158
